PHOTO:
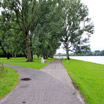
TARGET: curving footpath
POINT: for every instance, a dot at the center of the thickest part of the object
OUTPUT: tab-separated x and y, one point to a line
50	85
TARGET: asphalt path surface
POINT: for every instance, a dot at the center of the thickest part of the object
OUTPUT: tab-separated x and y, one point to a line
50	85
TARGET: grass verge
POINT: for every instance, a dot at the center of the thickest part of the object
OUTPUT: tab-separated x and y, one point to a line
36	64
89	78
8	81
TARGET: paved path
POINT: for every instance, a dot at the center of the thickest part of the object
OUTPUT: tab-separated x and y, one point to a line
50	85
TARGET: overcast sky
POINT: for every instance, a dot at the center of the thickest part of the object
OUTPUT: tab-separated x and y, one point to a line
96	13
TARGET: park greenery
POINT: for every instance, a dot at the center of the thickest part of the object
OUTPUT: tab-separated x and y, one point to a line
88	78
21	61
38	27
78	28
8	80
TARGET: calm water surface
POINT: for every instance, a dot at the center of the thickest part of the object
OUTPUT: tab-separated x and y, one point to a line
95	59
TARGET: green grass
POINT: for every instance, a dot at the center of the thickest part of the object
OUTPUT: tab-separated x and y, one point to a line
89	78
2	70
36	64
8	81
9	77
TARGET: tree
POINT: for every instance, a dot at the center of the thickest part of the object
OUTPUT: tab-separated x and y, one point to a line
4	34
77	28
27	14
102	53
47	33
9	38
97	53
24	13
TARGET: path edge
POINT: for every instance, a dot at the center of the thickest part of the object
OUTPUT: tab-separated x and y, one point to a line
5	96
76	87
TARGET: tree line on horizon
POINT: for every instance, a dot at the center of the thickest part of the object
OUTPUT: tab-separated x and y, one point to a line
89	53
39	27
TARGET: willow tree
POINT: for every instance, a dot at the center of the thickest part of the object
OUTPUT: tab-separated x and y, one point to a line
10	43
25	13
48	30
78	27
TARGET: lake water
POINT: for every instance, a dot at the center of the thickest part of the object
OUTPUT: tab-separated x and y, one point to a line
94	59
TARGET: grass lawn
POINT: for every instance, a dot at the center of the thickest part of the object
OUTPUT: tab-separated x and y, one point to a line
89	78
9	77
36	64
8	81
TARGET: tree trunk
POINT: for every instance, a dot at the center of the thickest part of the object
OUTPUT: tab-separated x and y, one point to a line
29	55
24	54
15	55
47	56
67	53
32	55
44	56
12	54
51	55
8	56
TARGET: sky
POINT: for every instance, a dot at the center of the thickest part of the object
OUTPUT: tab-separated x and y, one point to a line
96	13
